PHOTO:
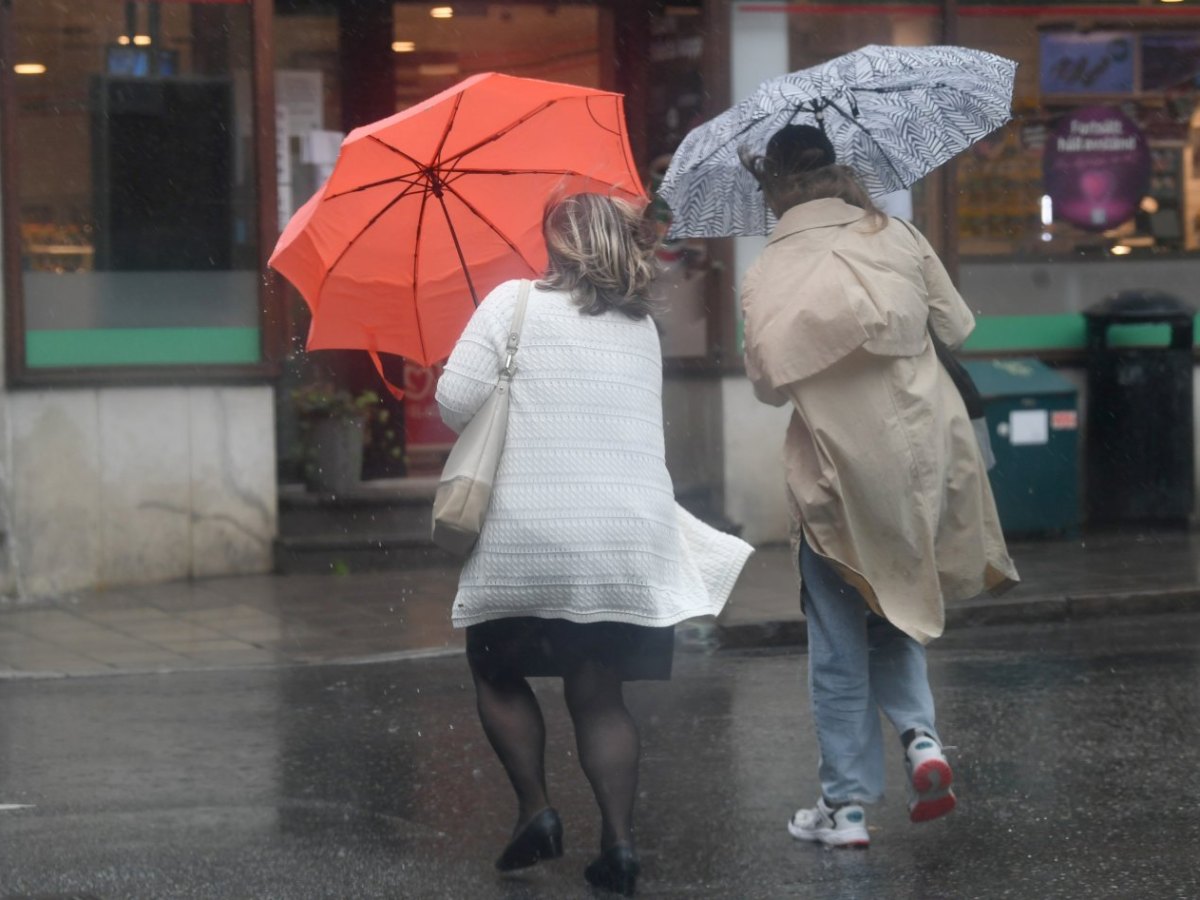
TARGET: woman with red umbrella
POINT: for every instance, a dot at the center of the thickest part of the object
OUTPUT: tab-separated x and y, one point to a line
584	563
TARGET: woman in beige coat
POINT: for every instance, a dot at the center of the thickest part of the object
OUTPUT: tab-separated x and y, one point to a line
892	511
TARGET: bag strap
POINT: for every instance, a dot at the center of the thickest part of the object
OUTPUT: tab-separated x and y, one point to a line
962	379
958	373
514	332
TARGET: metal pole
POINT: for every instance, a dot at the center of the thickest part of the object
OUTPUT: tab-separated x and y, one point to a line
154	30
130	20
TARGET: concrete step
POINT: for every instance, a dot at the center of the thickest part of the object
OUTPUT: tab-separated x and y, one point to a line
384	525
332	555
393	508
376	526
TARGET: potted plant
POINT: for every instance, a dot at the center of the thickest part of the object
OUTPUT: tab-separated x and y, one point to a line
332	425
383	441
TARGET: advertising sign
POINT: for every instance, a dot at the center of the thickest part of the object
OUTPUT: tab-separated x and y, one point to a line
1171	61
1096	168
1100	62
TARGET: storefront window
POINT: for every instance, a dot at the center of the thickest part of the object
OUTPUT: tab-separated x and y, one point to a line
554	41
132	136
1094	186
1143	70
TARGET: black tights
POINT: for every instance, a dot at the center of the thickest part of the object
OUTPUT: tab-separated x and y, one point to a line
605	734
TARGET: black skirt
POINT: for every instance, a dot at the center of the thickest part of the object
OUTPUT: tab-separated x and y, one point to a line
533	648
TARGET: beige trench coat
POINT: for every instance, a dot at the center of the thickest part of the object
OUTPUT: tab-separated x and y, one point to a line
883	469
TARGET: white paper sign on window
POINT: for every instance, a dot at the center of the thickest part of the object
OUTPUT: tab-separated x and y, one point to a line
1028	427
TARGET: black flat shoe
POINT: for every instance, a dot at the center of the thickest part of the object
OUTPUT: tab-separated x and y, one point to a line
541	838
616	870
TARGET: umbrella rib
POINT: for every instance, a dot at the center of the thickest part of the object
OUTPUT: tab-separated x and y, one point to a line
587	102
488	222
900	88
458	247
850	118
518	172
420	167
412	178
537	110
726	143
416	272
755	121
354	240
437	154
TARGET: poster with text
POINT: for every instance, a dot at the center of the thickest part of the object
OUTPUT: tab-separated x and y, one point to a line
1096	168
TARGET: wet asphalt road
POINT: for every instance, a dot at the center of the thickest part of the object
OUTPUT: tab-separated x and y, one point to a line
1077	765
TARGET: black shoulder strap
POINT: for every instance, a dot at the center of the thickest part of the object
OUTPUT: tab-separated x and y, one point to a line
956	370
960	376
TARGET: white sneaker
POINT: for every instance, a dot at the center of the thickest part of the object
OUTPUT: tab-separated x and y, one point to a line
845	826
930	778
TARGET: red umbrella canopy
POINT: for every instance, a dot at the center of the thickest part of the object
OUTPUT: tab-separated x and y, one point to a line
429	209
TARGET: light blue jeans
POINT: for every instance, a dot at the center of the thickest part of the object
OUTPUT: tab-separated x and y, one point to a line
857	661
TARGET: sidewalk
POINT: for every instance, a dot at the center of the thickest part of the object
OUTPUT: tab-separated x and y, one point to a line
282	620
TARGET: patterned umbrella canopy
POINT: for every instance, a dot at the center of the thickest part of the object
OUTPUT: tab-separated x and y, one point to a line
893	114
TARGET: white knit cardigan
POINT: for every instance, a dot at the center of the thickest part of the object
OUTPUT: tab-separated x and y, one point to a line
583	523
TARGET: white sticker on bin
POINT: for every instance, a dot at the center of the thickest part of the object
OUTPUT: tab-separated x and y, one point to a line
1028	427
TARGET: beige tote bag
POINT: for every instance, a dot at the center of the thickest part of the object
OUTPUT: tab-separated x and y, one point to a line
465	488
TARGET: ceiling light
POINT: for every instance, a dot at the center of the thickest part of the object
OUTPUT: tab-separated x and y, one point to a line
29	69
123	40
404	46
142	40
442	12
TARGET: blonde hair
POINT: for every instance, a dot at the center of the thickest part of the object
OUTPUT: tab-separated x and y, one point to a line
784	188
601	252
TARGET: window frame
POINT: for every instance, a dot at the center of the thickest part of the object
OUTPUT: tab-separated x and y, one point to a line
271	306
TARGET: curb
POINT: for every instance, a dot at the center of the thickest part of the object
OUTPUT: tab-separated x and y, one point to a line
1016	611
342	661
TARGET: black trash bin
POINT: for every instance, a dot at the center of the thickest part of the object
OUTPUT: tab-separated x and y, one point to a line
1139	410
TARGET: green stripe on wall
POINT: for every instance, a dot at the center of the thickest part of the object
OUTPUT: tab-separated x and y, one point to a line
1026	333
141	347
1056	332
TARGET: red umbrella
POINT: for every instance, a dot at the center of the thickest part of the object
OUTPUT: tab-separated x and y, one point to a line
429	209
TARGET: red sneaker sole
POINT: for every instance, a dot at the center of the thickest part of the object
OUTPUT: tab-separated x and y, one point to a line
932	775
925	810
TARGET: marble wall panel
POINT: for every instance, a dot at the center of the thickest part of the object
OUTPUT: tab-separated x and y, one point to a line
232	479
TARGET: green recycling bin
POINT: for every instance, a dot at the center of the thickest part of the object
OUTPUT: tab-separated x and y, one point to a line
1033	422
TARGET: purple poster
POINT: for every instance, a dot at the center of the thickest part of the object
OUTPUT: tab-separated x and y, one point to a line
1096	168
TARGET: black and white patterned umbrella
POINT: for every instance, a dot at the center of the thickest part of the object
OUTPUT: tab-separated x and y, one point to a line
893	114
